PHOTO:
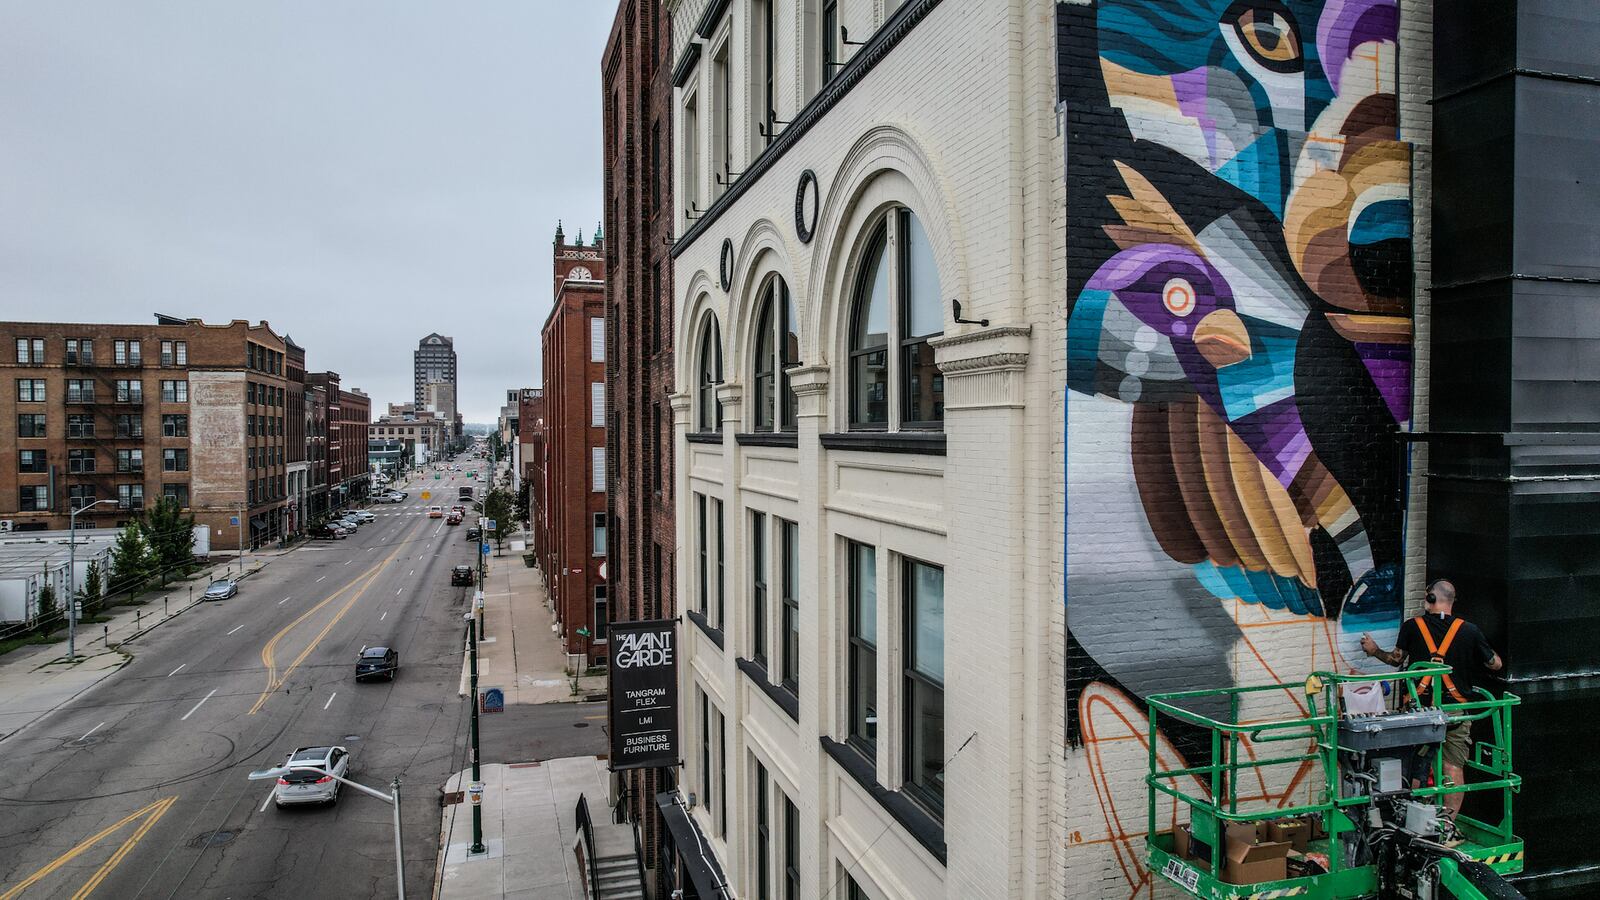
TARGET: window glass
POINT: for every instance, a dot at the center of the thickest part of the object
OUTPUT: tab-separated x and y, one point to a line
924	684
863	651
765	362
924	309
790	581
869	363
791	357
758	587
710	376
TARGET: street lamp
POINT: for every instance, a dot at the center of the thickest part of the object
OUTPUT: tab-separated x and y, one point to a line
72	576
392	798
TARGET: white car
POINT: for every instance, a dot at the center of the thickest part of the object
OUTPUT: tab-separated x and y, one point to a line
364	516
311	787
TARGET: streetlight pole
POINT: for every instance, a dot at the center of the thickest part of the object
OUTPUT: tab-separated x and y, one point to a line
72	577
477	777
392	798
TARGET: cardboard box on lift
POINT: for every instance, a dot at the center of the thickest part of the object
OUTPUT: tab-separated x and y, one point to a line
1248	858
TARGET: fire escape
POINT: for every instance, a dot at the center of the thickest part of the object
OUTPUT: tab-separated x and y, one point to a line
100	398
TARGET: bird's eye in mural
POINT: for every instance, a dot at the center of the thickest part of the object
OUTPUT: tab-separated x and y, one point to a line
1268	33
1178	295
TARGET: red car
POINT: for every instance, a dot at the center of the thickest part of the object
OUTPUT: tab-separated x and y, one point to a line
453	519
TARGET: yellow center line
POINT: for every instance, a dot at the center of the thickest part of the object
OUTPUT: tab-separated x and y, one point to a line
75	852
275	681
124	850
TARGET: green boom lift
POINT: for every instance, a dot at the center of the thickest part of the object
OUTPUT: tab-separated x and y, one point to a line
1369	835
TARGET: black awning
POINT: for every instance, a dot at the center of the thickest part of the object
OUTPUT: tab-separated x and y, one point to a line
258	521
694	851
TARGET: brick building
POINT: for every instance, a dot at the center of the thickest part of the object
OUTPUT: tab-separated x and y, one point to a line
294	408
316	418
530	442
133	412
636	84
348	414
574	540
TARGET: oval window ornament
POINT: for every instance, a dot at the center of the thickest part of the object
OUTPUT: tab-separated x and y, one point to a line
725	267
805	206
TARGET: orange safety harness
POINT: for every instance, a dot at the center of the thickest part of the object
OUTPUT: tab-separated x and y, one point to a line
1436	654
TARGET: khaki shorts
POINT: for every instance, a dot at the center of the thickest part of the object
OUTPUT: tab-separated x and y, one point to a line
1458	743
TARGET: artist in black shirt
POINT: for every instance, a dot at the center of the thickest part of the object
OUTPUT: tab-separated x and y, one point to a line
1459	644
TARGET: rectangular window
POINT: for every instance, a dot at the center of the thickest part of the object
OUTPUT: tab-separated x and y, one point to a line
597	404
130	460
722	774
691	156
32	461
174	460
722	554
80	352
597	462
758	587
130	425
177	492
80	390
862	661
722	120
30	351
597	339
80	495
80	425
30	425
764	99
80	462
250	392
599	527
174	392
130	496
174	425
168	357
829	38
129	390
702	550
33	498
791	851
789	580
763	836
31	390
125	353
601	613
706	782
181	357
655	166
924	683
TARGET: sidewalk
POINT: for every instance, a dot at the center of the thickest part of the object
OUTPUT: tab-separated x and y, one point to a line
528	828
36	680
521	654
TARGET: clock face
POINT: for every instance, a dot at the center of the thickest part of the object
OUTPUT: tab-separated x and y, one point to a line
580	273
434	341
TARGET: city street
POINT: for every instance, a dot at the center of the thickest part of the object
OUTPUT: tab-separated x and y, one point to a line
138	789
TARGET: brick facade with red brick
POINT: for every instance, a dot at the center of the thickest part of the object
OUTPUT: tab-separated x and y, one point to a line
574	498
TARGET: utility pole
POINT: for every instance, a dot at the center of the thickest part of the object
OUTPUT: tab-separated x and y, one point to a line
477	808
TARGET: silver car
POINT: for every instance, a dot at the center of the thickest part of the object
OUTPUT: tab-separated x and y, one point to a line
221	589
312	787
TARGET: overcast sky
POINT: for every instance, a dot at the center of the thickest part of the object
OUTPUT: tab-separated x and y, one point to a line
358	174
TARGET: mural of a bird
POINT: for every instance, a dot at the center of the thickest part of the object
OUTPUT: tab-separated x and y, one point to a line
1203	332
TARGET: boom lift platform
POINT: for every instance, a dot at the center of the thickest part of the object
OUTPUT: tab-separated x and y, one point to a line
1365	832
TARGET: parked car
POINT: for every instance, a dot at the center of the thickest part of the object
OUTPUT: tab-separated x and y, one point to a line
385	497
398	495
350	522
461	575
474	533
221	589
377	662
326	531
312	787
435	512
362	515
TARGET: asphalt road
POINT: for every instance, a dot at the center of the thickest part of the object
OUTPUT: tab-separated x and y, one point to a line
138	787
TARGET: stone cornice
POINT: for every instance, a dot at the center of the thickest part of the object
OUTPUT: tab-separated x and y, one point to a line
984	369
729	394
680	402
806	380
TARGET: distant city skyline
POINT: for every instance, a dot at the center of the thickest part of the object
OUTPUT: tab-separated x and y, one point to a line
356	187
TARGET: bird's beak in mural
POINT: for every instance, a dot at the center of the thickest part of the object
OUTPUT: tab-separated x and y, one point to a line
1222	338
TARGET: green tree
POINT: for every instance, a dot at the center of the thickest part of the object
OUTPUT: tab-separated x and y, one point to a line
89	593
131	561
47	613
170	535
521	510
497	506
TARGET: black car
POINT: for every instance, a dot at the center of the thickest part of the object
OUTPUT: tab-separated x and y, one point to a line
474	534
377	662
461	575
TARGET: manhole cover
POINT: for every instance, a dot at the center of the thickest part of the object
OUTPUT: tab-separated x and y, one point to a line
352	737
580	724
211	839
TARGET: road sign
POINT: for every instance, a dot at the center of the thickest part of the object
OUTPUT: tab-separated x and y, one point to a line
494	700
485	548
437	476
475	792
491	525
427	495
234	521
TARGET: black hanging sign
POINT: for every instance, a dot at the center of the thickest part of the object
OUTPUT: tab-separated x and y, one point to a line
644	694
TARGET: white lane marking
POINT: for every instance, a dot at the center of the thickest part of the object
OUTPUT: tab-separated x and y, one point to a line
330	699
283	601
180	668
397	591
348	561
411	573
197	706
319	579
235	628
382	617
270	794
92	731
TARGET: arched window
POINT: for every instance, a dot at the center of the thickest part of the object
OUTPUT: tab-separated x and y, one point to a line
897	307
777	349
710	376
